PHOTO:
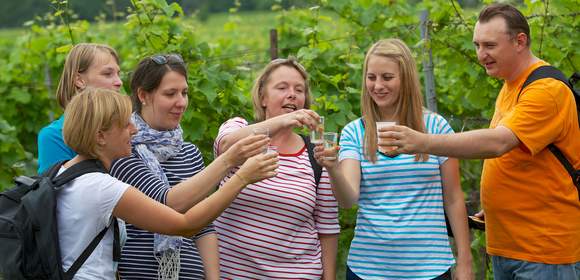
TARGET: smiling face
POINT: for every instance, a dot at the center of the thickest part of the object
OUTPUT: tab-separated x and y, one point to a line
102	73
117	140
496	49
285	92
163	108
383	82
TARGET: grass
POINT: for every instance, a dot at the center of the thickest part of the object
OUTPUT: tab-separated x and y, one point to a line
246	24
250	27
7	35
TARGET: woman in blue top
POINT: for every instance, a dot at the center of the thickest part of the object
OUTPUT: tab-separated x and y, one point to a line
400	231
87	65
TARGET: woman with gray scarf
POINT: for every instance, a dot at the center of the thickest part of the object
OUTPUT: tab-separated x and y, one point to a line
98	127
171	171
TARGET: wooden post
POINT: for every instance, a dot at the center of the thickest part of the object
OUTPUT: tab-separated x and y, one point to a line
273	44
430	94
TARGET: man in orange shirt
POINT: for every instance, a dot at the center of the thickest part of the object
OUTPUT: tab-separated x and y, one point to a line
531	205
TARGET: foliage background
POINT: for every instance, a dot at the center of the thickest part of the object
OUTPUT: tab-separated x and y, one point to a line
328	37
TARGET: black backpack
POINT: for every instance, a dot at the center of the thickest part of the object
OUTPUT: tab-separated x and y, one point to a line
29	243
547	71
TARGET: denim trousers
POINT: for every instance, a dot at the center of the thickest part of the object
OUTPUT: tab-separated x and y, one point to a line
510	269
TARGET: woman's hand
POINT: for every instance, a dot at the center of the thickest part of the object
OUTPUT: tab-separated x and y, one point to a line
258	168
327	158
248	147
298	118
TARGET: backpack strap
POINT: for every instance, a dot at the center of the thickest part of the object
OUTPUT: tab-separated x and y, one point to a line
548	71
70	273
81	168
71	173
575	174
315	166
542	72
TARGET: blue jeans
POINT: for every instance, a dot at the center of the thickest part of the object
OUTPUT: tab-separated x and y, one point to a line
508	269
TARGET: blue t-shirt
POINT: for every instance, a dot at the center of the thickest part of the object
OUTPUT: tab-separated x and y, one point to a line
400	230
51	146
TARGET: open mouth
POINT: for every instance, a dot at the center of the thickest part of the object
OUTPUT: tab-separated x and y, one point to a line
291	107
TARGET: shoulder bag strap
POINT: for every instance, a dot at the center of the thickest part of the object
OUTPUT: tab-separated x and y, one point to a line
70	273
547	71
315	166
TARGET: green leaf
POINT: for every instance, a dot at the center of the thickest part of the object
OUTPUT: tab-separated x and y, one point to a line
209	90
64	48
368	16
20	96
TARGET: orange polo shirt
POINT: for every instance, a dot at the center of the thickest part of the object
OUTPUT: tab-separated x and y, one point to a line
532	210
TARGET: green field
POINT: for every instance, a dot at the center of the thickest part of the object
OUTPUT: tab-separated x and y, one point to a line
7	35
250	29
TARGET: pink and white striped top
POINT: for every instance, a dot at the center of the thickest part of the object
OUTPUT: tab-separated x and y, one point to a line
271	230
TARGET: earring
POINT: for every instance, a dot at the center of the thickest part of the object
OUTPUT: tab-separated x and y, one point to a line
143	103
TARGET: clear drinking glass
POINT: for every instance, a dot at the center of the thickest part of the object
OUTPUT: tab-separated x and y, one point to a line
264	131
317	134
381	125
330	142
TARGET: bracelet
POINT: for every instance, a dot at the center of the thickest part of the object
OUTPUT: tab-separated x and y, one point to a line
241	179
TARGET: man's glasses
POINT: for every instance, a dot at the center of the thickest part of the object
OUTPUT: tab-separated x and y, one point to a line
166	58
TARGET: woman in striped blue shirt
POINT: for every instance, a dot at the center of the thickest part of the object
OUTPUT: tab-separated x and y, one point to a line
400	231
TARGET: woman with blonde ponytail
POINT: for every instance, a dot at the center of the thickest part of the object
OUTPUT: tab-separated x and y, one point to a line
86	65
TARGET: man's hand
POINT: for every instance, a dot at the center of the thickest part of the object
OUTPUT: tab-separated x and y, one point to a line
404	139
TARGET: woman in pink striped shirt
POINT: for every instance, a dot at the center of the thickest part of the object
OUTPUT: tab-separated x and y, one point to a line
285	227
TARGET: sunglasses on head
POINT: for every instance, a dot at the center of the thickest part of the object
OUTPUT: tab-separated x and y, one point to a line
165	58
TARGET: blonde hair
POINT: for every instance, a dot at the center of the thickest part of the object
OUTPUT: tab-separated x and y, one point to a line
91	111
78	60
409	107
258	90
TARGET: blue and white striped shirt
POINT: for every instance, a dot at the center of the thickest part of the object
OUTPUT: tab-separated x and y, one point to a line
400	231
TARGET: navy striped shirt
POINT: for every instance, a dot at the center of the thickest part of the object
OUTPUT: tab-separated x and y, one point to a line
400	229
137	260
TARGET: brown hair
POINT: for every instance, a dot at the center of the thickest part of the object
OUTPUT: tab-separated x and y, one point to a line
515	21
91	111
151	71
262	80
409	104
78	60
